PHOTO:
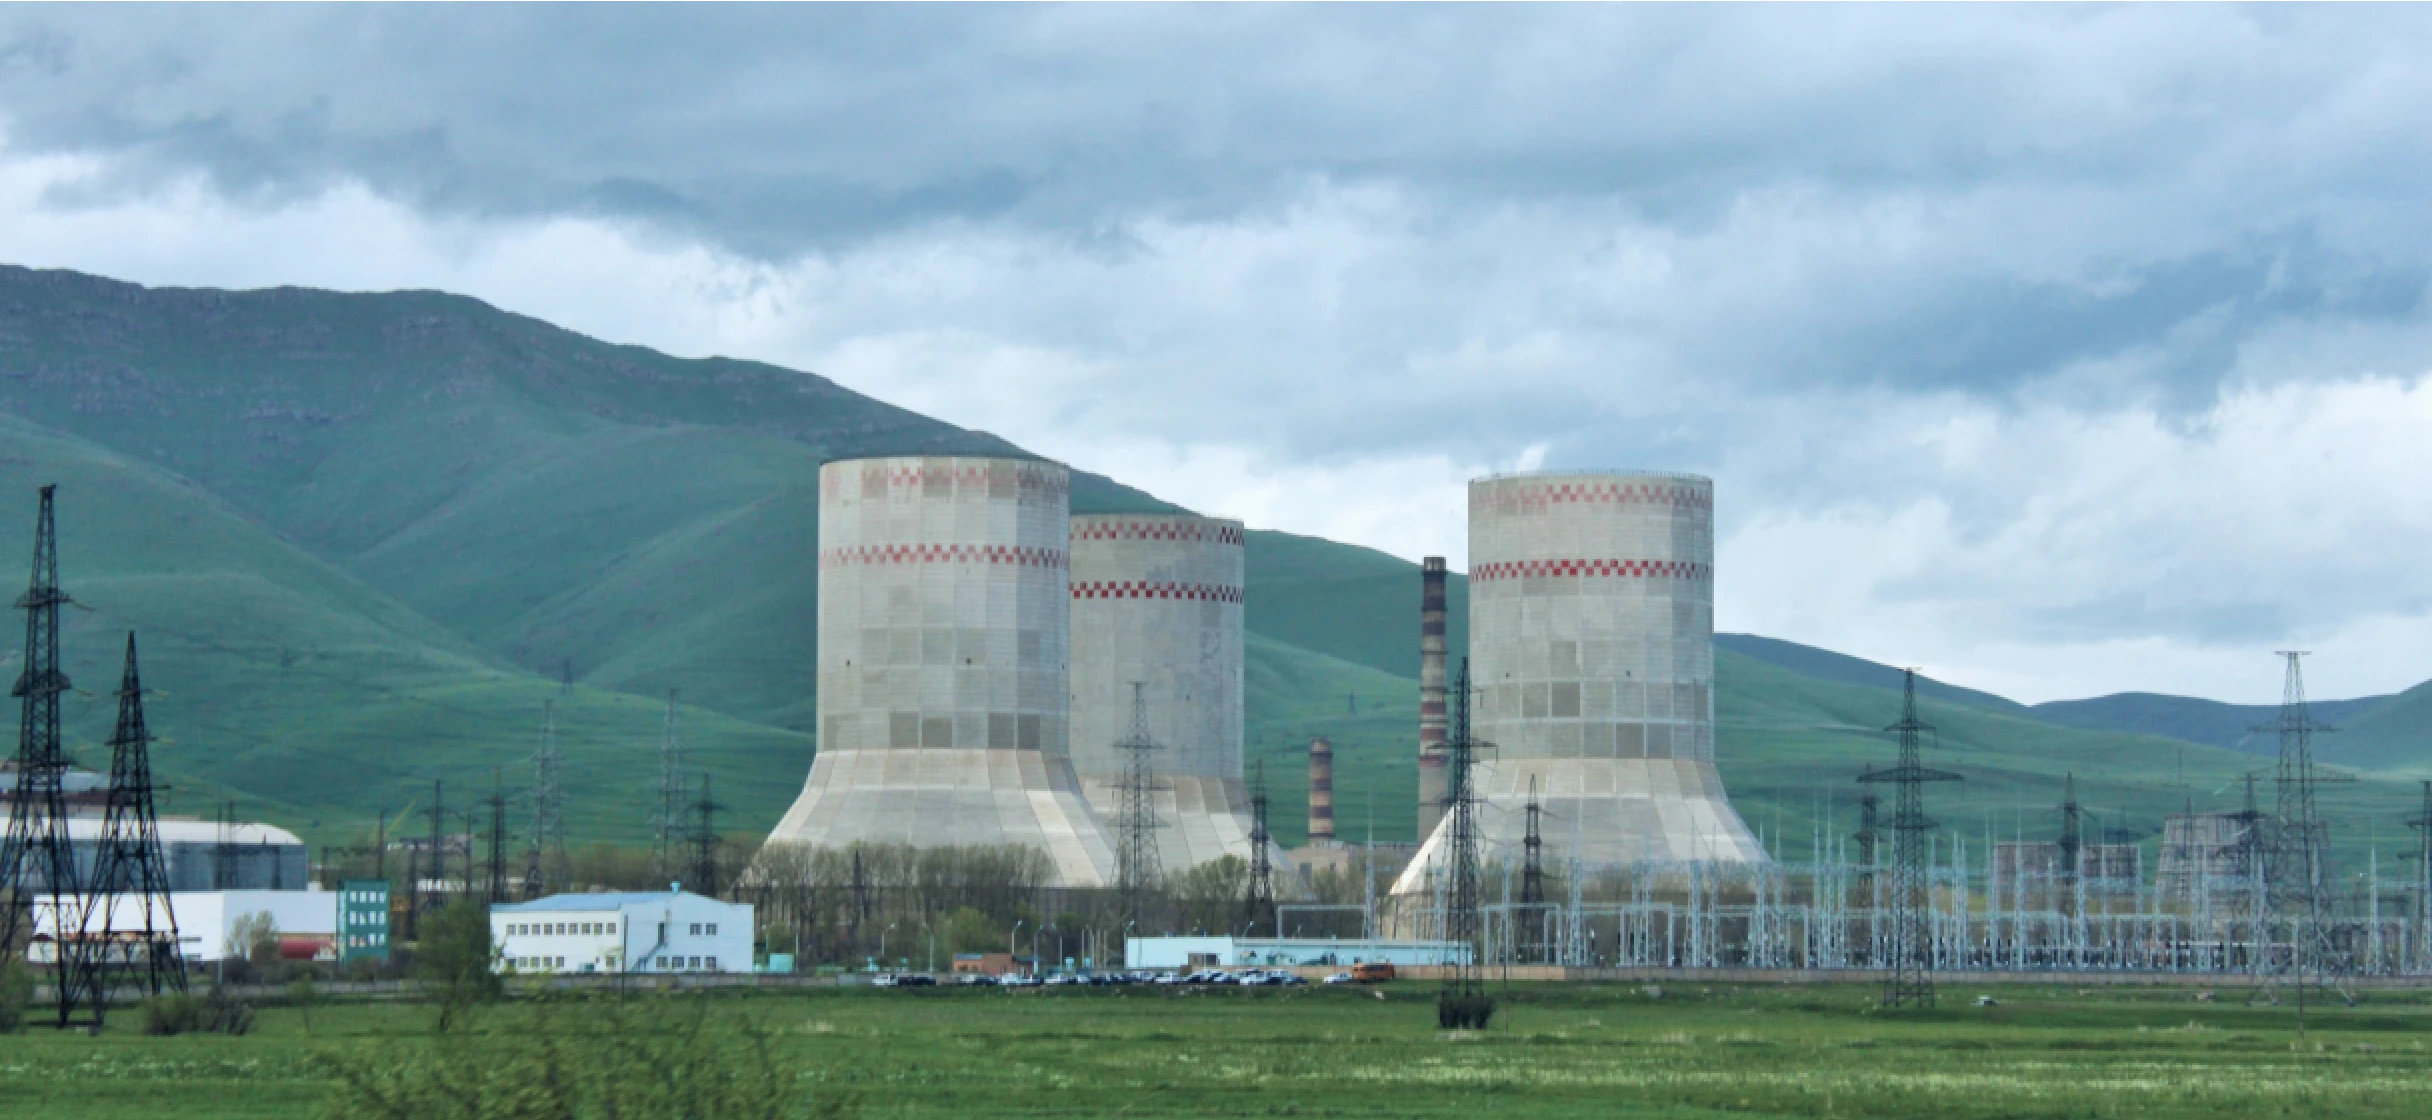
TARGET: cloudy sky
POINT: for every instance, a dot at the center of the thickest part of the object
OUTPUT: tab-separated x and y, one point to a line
2058	350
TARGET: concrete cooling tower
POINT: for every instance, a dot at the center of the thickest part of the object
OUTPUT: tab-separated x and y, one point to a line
1157	599
1591	630
943	613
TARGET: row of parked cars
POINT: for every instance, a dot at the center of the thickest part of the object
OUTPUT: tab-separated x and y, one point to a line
1248	977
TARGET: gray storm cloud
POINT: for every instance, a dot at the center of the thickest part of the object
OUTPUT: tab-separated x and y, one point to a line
1990	293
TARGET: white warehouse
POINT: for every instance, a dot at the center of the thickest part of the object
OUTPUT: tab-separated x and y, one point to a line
655	931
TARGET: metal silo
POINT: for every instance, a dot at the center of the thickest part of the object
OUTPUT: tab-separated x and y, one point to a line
943	640
1591	630
1157	600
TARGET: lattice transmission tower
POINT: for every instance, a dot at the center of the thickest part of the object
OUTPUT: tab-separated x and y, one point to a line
705	842
1463	1004
37	849
2296	873
667	821
1138	870
1258	900
130	871
545	858
497	869
1910	979
1532	877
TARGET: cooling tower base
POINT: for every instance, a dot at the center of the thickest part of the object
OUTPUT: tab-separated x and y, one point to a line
1199	818
1599	811
941	798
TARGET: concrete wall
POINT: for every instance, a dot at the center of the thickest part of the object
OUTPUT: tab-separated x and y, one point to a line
944	609
1157	598
1591	627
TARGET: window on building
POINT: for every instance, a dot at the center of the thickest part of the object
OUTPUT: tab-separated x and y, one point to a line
696	963
696	929
713	929
662	962
713	963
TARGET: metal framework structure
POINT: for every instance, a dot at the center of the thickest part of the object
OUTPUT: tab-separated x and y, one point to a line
1138	871
667	820
2296	857
497	870
1258	900
1910	981
1463	1004
138	934
705	842
37	842
545	859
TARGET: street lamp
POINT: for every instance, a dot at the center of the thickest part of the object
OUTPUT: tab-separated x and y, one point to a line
882	944
1010	942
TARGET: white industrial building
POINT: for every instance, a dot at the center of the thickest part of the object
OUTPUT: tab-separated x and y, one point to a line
305	921
1591	636
945	609
201	855
1157	601
1175	953
657	931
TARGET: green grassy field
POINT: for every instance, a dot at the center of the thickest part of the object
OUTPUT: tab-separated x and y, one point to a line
1555	1051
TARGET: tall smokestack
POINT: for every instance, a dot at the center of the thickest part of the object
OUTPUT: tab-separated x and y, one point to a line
1321	791
1433	781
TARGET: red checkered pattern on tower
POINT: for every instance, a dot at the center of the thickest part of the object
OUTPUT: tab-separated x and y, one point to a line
1032	481
1544	497
1624	569
1193	529
1144	589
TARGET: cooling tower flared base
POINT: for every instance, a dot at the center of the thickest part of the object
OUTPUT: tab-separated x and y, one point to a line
1601	811
1199	818
947	798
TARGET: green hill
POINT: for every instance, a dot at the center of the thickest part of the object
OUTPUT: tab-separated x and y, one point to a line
365	537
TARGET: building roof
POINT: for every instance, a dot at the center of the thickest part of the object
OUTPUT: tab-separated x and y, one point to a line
598	900
87	827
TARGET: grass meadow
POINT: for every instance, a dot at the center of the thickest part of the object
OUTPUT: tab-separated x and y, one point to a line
1556	1051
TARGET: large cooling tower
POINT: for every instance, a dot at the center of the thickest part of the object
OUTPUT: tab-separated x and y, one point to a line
943	611
1156	599
1591	636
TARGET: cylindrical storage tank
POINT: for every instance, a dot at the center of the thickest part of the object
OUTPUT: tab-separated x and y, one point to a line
1321	790
943	640
1157	600
1591	630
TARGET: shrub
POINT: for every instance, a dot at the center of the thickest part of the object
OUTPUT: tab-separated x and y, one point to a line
16	993
174	1013
456	951
648	1059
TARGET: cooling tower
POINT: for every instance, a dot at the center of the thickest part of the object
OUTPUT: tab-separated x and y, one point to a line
1591	630
1157	599
943	620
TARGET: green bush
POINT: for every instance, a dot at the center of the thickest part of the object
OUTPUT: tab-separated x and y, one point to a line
456	952
174	1013
649	1059
16	993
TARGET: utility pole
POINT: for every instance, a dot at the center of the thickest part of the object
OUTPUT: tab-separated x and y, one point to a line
2422	824
129	864
1463	1003
667	824
1258	902
1138	870
1911	980
439	853
37	848
545	859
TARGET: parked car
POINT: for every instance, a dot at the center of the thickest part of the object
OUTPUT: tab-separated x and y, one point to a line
974	979
1062	978
915	980
1017	980
1287	978
1339	978
883	980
